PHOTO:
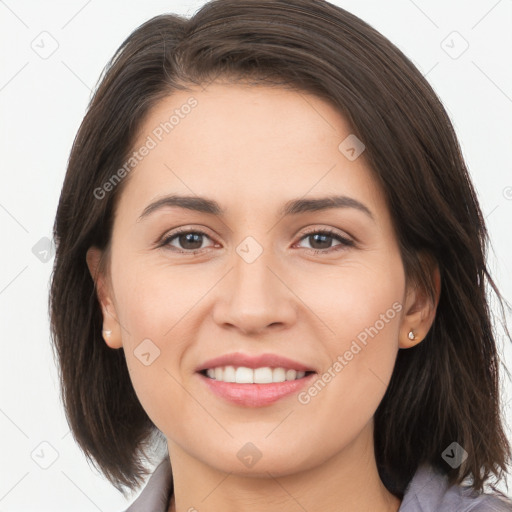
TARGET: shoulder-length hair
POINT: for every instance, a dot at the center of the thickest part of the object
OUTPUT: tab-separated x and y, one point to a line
446	388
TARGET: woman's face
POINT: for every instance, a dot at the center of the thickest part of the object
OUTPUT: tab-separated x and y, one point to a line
258	278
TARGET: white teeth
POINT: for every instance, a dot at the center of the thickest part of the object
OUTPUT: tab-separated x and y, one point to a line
291	374
263	375
278	375
244	375
229	374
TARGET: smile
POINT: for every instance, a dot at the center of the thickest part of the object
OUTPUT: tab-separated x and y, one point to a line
244	375
250	393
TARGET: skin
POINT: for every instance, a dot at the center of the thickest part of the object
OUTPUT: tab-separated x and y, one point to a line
252	148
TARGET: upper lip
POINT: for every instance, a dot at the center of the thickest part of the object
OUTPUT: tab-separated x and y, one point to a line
254	361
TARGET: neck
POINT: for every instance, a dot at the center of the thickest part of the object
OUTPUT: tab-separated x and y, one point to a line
347	482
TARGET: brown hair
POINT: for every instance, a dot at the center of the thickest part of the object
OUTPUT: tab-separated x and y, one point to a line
444	389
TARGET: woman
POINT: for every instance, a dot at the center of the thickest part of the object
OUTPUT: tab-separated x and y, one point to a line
270	268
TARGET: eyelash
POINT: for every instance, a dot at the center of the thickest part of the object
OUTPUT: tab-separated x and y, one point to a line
345	242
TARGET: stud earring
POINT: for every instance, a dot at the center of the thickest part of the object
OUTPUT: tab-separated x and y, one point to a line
107	333
411	335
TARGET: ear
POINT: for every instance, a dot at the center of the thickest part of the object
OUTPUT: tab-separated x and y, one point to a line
102	284
420	310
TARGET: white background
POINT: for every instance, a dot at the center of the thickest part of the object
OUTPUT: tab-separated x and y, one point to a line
42	103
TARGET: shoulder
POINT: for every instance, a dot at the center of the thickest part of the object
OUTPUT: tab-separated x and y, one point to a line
428	491
156	495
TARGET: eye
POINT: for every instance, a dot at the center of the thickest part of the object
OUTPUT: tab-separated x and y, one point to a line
189	241
321	241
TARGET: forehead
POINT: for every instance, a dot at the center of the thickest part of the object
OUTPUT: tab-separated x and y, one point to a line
245	143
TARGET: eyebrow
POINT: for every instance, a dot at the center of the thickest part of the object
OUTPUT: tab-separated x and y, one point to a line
293	207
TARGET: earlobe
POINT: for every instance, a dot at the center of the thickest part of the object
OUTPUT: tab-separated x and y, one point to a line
420	312
110	331
112	338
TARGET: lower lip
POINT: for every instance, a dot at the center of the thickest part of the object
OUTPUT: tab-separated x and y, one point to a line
255	395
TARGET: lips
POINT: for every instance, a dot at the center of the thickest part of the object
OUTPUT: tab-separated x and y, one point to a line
238	359
247	394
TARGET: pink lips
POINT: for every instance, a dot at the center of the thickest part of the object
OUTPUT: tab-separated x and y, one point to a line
254	395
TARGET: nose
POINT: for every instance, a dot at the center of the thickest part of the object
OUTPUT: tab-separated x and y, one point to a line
254	297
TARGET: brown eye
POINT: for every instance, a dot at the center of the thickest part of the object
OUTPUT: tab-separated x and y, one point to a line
185	241
321	241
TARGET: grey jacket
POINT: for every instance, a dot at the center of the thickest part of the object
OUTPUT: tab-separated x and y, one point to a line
427	492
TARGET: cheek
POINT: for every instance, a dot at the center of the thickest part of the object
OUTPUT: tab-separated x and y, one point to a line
154	298
363	307
357	297
155	306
